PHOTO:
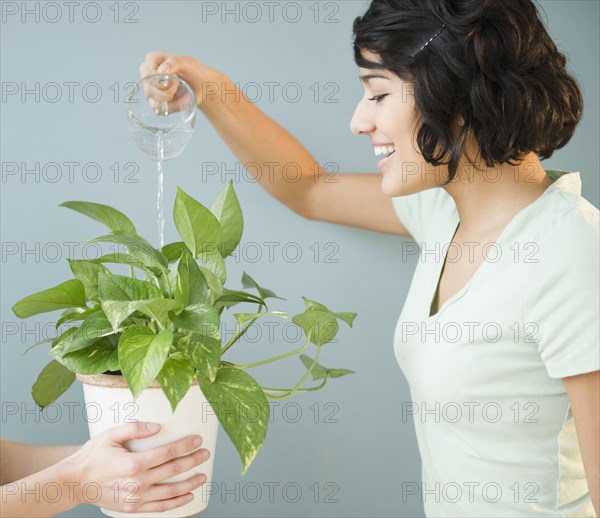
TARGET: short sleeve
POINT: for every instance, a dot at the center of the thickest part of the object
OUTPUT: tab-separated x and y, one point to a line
562	299
418	212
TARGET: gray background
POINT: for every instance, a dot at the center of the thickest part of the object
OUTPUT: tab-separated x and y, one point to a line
349	439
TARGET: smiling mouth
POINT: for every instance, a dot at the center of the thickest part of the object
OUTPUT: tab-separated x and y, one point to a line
384	150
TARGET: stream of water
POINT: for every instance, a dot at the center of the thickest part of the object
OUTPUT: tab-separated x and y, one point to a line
160	220
161	145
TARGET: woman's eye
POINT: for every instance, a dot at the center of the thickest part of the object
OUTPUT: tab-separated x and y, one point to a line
378	98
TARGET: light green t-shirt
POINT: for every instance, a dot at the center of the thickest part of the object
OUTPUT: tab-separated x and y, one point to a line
491	414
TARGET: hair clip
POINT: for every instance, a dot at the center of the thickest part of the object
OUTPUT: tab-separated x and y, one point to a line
429	41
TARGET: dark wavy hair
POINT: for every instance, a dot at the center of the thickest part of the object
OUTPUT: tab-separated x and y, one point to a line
490	61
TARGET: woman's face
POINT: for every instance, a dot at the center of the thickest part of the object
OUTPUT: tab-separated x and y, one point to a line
391	120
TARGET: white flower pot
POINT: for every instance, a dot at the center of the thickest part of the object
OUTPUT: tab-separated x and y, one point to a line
109	402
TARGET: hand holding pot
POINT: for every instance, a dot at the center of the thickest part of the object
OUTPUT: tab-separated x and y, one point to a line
130	481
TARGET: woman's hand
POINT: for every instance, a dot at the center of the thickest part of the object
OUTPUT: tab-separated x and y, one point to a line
193	72
129	481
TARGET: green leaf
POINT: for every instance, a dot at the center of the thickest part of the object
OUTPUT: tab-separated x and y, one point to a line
94	327
138	248
242	409
66	295
119	287
249	282
319	372
346	317
87	272
338	373
214	284
112	218
128	259
158	309
142	355
323	324
242	318
203	351
311	304
99	357
226	207
156	272
233	297
173	251
53	381
198	318
175	378
214	262
191	287
65	336
197	225
121	296
72	314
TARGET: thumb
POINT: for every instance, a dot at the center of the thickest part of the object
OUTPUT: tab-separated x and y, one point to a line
125	432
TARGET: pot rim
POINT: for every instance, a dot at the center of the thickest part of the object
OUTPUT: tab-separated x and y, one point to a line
114	381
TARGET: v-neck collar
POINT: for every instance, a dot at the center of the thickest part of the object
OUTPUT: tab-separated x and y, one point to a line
565	180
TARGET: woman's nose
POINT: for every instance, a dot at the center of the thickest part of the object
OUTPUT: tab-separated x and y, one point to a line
361	121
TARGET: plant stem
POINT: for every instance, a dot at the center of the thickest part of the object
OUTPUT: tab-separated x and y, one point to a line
155	325
299	384
275	358
309	389
131	272
237	337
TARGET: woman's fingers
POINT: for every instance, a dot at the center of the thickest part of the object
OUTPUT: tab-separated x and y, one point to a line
152	61
161	454
125	432
158	506
174	489
167	66
176	466
160	90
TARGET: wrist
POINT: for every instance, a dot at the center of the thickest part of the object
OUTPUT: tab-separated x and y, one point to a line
209	90
70	474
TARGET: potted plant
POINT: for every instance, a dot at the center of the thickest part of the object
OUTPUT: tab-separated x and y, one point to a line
153	343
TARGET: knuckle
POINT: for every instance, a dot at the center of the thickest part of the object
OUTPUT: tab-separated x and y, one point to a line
133	485
171	491
203	455
129	507
161	507
189	443
198	480
132	466
170	451
174	468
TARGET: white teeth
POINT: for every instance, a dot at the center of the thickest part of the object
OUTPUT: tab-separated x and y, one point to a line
383	150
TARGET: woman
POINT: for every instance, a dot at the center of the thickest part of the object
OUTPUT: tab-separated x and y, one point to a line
498	337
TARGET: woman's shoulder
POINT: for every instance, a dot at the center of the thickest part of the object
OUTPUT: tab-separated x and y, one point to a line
561	294
567	217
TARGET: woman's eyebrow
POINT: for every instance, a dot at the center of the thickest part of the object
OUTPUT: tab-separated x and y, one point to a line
366	78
